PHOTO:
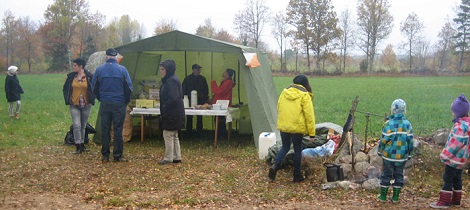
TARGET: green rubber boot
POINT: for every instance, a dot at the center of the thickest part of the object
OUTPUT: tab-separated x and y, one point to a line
396	194
383	194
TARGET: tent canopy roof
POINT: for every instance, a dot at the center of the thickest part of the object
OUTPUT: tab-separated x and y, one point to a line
181	41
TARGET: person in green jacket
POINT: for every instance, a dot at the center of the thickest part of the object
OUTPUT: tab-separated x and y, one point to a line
296	117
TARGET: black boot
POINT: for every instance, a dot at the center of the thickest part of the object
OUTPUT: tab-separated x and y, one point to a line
298	177
273	170
79	149
84	149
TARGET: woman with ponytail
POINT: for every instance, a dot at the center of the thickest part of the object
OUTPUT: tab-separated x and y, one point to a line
224	92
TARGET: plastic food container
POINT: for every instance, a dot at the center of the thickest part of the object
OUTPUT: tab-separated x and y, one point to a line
216	106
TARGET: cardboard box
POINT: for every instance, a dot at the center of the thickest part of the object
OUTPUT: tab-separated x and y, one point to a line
144	103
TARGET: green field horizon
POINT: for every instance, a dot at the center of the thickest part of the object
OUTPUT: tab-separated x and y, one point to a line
45	118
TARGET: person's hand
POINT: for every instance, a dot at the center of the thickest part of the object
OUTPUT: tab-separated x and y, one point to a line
312	139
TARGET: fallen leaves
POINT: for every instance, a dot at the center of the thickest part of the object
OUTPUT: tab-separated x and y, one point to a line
223	177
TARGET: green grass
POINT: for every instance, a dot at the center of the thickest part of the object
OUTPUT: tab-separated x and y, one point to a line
45	118
33	160
428	99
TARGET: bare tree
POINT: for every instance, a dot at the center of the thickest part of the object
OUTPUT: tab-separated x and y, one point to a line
298	16
325	31
89	28
422	52
347	36
223	35
10	34
389	58
29	41
206	30
252	19
90	31
280	33
444	44
375	23
316	25
164	26
411	28
129	30
296	46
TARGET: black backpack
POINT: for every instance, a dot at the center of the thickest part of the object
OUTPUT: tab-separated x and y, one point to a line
68	140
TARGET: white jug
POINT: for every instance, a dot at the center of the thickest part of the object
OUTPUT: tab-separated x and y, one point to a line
186	101
265	140
193	98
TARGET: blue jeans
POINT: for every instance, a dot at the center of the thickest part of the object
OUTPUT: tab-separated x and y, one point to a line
79	120
296	140
112	113
392	170
452	179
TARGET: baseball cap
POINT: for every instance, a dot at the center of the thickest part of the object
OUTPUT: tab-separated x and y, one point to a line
111	52
196	66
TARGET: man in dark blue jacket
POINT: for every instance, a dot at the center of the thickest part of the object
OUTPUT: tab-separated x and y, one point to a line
112	86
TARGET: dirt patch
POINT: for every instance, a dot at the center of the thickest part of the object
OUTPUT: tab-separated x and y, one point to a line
223	177
45	201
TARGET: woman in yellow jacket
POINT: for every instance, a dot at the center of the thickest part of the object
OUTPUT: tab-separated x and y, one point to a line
295	118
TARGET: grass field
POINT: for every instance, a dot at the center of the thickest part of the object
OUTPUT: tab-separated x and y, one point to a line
36	168
45	118
428	99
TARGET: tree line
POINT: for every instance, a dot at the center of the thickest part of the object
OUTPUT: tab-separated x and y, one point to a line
310	35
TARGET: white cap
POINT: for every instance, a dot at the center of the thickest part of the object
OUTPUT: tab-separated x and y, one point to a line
12	69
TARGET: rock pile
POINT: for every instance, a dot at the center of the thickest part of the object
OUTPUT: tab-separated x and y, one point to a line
367	167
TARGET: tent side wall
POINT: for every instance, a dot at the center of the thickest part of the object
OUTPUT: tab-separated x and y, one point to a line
141	58
262	97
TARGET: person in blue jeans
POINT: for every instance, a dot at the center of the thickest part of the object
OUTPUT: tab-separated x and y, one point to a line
296	117
395	148
113	87
79	96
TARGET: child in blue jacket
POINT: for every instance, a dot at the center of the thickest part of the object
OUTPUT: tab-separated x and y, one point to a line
395	148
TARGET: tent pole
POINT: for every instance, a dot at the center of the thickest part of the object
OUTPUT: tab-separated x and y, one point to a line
212	66
135	66
238	86
185	64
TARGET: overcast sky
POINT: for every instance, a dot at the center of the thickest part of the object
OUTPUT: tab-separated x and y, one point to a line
190	14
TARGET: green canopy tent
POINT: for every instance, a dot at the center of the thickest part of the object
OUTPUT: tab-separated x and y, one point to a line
255	86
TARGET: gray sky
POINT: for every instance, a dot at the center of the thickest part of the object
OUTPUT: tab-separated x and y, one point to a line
189	14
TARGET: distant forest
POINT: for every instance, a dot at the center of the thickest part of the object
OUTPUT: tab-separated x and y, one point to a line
307	42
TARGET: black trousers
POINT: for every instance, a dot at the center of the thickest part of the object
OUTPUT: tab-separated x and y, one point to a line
189	123
222	132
